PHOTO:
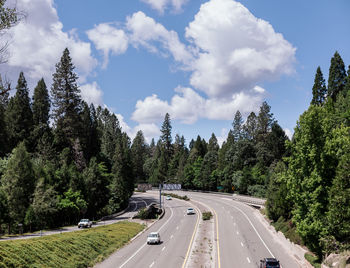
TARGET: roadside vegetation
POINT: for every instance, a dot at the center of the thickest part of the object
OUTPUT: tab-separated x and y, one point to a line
75	249
310	188
183	197
206	215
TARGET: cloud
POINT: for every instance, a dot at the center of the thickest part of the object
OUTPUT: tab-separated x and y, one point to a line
236	49
161	5
149	130
145	31
108	39
289	133
37	43
92	93
188	106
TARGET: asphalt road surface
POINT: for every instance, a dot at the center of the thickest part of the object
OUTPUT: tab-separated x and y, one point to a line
176	231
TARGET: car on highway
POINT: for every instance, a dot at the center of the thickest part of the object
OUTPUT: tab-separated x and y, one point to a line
168	197
85	223
269	263
153	238
190	211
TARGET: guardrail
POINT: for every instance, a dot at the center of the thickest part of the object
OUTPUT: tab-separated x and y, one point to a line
254	201
249	200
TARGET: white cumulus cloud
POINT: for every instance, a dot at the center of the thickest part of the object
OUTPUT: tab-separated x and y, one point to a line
161	5
237	50
108	39
188	106
92	93
37	43
145	31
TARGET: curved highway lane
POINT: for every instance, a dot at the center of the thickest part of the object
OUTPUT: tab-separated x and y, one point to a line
176	230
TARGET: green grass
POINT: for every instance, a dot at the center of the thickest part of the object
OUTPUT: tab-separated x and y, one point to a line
75	249
313	260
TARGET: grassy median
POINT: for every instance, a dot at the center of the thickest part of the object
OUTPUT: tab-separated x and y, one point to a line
75	249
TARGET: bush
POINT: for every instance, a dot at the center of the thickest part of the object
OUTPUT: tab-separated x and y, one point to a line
288	229
313	260
206	215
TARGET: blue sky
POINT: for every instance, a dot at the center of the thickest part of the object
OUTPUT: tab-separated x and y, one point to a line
198	60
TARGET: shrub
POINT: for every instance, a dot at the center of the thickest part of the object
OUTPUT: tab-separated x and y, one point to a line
206	215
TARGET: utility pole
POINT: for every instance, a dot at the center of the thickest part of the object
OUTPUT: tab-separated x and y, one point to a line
160	195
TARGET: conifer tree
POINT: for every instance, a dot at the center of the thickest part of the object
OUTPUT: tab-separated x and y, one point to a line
66	102
237	126
337	76
250	127
19	116
167	150
319	90
139	153
41	109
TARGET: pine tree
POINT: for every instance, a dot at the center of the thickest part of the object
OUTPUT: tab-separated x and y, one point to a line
41	109
337	76
265	119
319	90
3	128
250	127
19	116
139	152
237	126
167	150
66	102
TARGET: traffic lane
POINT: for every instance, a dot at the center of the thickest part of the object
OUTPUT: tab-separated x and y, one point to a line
232	250
176	237
139	254
260	237
165	254
275	247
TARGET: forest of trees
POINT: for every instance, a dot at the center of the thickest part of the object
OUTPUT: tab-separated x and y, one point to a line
311	187
60	159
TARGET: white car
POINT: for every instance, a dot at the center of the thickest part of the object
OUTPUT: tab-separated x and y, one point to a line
168	197
153	238
85	223
190	211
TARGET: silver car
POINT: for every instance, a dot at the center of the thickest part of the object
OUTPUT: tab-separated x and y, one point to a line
85	223
153	238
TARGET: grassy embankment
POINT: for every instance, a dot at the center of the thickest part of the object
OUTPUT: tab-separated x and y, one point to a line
74	249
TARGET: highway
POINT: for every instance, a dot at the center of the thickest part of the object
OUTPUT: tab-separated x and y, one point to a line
177	232
236	236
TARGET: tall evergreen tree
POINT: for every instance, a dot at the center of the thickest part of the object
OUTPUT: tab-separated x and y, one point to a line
167	149
337	76
66	102
19	116
250	127
139	153
4	146
319	90
237	126
265	119
41	109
